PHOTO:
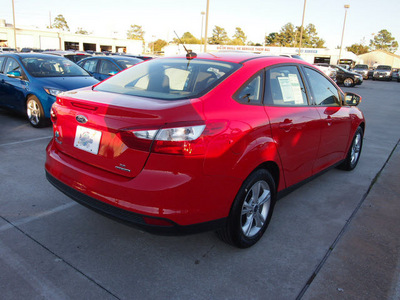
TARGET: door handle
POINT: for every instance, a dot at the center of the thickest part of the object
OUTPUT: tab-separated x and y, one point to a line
286	125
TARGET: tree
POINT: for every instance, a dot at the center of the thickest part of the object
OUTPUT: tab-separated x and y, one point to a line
270	39
358	49
60	23
286	36
135	33
158	45
384	41
239	38
187	38
80	30
219	36
310	37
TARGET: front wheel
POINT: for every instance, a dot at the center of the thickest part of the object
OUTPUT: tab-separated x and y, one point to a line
354	153
251	210
34	112
348	82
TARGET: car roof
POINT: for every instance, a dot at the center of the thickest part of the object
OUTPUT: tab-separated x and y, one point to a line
235	57
23	55
65	52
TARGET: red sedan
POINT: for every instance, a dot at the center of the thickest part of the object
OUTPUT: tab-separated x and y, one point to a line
187	144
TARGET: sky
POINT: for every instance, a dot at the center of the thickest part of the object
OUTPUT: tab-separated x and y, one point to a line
159	18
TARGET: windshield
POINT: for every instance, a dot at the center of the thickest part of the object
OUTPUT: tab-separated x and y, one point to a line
384	68
126	62
169	79
52	66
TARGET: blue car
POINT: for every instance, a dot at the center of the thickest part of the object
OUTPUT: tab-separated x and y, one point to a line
102	67
30	82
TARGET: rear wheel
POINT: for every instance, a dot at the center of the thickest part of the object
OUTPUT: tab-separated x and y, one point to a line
354	152
35	113
251	210
348	82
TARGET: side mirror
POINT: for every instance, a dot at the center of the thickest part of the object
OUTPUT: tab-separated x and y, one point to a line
351	99
14	74
113	73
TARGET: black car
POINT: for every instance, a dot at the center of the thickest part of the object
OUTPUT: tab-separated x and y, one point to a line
74	56
347	78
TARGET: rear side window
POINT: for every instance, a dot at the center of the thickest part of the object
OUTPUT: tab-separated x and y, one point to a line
325	93
284	87
2	59
251	91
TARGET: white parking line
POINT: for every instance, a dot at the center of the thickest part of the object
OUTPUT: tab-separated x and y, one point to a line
27	141
36	217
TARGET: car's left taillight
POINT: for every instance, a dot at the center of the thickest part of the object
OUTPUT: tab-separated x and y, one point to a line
178	140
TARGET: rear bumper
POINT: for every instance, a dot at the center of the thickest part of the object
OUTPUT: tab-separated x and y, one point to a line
131	218
187	199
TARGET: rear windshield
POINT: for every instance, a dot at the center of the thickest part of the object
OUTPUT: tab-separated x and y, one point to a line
384	68
76	57
126	62
169	79
52	66
361	67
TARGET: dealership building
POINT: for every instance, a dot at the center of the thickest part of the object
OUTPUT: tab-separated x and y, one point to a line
63	40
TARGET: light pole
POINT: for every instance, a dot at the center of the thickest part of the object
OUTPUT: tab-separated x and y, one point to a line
153	36
15	30
202	23
205	33
302	25
346	7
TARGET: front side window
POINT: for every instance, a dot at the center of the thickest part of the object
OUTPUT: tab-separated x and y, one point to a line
107	67
284	86
325	93
169	79
2	59
90	65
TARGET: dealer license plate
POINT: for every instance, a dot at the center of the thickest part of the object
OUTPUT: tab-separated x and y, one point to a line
87	139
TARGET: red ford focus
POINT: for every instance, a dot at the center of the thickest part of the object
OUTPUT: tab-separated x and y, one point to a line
182	145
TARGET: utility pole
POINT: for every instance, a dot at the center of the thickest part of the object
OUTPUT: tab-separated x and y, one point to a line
50	18
15	32
205	34
302	25
346	7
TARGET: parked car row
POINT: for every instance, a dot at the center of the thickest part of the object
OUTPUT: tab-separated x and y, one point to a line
341	75
30	82
381	72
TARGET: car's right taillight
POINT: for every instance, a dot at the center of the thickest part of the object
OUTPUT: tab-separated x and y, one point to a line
53	115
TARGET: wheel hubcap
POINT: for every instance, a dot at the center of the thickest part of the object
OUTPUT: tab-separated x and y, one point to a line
355	148
348	82
33	112
255	208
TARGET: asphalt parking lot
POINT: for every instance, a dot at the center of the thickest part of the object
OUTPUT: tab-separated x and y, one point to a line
334	238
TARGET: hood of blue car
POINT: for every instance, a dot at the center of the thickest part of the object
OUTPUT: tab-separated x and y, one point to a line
66	83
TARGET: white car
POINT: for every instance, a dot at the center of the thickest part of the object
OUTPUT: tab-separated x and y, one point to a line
328	70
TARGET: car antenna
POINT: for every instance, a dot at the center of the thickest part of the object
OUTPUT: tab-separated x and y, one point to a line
189	53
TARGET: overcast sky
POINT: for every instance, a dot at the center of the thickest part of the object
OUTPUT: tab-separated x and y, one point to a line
159	18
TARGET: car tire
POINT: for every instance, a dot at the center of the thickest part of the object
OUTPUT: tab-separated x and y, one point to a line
353	155
35	112
348	82
250	215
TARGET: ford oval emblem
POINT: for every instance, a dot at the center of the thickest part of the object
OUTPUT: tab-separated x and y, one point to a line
81	119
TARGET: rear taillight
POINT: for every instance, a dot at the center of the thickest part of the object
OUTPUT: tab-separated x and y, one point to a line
53	115
180	140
